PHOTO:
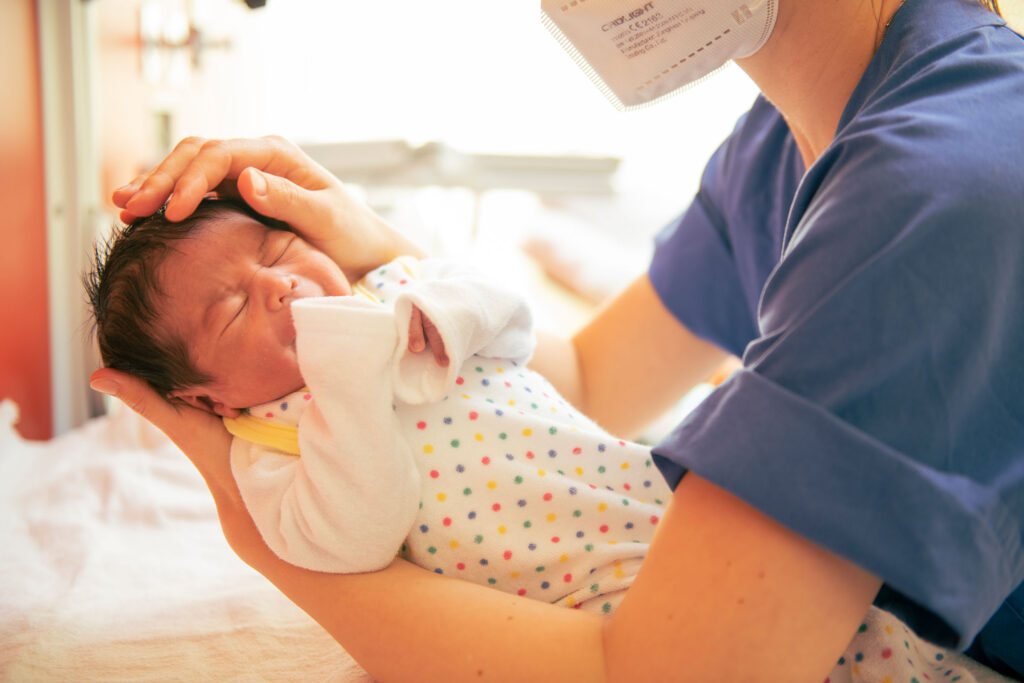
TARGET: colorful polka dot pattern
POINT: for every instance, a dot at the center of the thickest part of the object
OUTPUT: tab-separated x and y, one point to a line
885	650
522	493
519	491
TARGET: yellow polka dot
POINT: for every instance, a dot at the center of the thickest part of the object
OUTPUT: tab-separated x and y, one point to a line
613	542
514	575
551	517
570	601
511	402
554	409
492	485
501	370
502	529
563	558
624	465
619	574
465	396
441	497
454	545
428	448
856	670
886	680
579	471
888	629
527	432
541	473
478	437
601	507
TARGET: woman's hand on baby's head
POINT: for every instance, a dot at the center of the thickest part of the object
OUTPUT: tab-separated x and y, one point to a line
423	332
278	180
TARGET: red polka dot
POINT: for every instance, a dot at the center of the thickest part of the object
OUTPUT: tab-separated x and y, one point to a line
627	487
555	539
577	450
521	591
421	425
402	282
508	384
567	578
577	605
460	566
473	415
529	455
654	519
622	443
485	460
306	397
886	653
447	521
269	415
547	496
603	529
459	380
496	507
507	555
434	474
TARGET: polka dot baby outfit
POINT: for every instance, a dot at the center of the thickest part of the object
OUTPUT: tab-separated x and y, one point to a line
478	470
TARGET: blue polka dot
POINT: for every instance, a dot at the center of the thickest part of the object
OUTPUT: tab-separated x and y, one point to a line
284	406
545	585
532	546
485	382
424	528
572	491
647	484
552	453
483	561
579	534
521	503
447	420
629	525
498	412
600	447
438	571
460	468
472	515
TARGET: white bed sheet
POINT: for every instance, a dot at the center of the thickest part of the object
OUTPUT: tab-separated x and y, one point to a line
113	568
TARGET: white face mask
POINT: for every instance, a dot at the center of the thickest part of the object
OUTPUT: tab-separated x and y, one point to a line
638	52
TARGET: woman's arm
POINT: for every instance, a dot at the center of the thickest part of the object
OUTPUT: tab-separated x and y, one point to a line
630	363
724	594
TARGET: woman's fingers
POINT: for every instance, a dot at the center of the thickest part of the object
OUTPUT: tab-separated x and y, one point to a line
198	166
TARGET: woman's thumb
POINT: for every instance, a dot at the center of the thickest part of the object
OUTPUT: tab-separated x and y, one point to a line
280	198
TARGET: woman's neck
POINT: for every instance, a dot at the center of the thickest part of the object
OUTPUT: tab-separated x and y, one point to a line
813	61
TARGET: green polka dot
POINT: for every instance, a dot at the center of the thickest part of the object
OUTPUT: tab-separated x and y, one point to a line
540	568
625	501
601	469
467	491
431	550
863	627
518	480
478	539
606	607
479	369
492	581
455	443
577	513
553	430
527	524
589	547
503	435
534	406
594	587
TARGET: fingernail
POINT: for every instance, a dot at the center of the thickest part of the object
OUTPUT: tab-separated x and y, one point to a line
105	386
259	184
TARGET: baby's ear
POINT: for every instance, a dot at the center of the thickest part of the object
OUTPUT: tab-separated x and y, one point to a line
197	399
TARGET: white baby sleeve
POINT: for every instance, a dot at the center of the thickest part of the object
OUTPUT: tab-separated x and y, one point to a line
347	503
473	316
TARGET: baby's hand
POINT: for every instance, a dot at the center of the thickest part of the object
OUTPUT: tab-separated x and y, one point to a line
423	332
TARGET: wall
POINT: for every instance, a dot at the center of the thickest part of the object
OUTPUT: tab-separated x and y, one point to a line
24	339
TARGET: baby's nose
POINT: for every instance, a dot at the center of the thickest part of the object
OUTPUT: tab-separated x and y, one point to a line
276	289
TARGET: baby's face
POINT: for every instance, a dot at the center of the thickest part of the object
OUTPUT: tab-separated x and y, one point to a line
229	289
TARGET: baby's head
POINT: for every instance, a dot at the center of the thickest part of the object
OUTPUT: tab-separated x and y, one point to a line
201	309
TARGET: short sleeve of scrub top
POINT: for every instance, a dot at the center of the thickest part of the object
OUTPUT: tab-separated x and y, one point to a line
878	304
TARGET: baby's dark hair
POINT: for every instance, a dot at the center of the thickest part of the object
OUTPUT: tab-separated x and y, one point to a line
124	295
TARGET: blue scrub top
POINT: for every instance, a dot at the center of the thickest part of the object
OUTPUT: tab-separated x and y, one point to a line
877	300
